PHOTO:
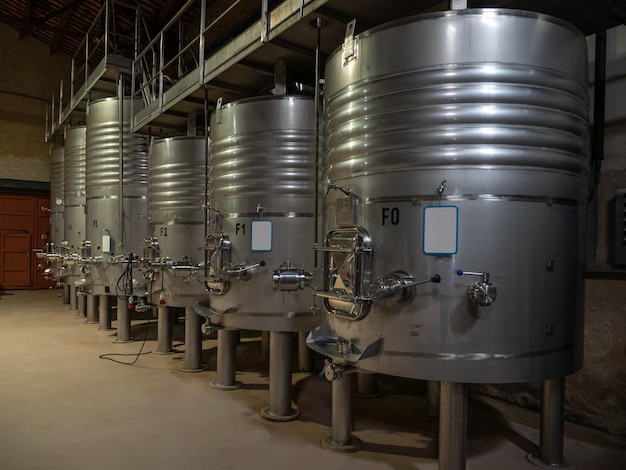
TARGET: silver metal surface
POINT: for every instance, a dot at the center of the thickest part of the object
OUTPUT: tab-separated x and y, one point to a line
123	321
104	317
107	194
226	360
73	301
176	192
74	218
279	408
57	195
453	426
494	104
552	423
193	342
165	330
262	168
341	438
92	308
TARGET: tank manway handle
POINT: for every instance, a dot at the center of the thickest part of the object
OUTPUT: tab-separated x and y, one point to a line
393	288
482	293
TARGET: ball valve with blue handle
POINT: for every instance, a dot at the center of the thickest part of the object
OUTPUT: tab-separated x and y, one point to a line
482	293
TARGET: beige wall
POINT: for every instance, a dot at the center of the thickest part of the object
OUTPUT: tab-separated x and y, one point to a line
27	69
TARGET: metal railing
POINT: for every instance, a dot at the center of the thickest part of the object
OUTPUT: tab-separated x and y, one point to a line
161	64
99	43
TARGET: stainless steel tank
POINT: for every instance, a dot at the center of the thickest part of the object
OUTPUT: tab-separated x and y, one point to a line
74	220
177	193
262	177
57	196
116	191
456	157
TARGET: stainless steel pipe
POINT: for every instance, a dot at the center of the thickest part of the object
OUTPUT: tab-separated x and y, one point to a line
453	426
279	409
341	438
105	313
73	298
226	360
123	322
92	307
193	342
552	422
165	330
65	294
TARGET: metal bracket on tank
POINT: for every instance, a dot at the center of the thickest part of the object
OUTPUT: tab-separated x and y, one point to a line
218	110
347	272
349	43
325	340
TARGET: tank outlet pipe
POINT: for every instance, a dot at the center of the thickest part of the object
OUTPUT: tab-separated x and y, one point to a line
242	270
394	288
289	278
482	293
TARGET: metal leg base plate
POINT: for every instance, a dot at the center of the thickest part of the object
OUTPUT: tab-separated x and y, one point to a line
165	353
104	329
368	394
184	369
534	458
293	414
121	341
353	445
91	322
218	386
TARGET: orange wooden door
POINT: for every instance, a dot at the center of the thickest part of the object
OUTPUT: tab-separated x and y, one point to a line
15	261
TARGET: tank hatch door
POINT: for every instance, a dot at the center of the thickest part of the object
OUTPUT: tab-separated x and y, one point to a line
347	272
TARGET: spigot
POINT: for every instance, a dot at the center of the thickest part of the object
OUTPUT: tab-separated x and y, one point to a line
208	328
332	371
289	278
393	288
241	270
482	293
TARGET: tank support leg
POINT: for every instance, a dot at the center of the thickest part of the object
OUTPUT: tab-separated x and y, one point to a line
165	330
305	358
433	392
81	304
341	438
105	314
279	409
265	345
226	360
123	322
73	298
551	428
92	308
453	426
193	342
367	384
65	294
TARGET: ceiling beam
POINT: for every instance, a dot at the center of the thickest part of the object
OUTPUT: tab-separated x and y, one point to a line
58	11
28	14
260	68
36	24
58	36
237	90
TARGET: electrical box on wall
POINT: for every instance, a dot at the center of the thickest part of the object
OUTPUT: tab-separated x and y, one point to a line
620	226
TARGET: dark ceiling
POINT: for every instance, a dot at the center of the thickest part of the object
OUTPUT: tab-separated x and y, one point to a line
62	24
253	71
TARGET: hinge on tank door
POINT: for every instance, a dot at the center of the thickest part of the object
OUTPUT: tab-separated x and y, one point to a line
349	43
347	272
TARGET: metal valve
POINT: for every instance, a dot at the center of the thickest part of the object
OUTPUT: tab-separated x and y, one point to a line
241	270
288	278
482	293
393	288
332	371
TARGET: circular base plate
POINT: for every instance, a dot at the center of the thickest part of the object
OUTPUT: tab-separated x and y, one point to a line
352	445
534	458
91	322
121	341
218	386
165	353
294	413
184	369
104	329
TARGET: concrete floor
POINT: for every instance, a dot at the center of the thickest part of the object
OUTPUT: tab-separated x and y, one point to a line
62	407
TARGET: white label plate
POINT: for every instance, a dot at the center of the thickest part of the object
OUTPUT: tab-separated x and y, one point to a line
261	235
441	230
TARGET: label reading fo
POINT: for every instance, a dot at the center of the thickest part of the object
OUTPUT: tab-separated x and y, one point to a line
441	230
261	235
